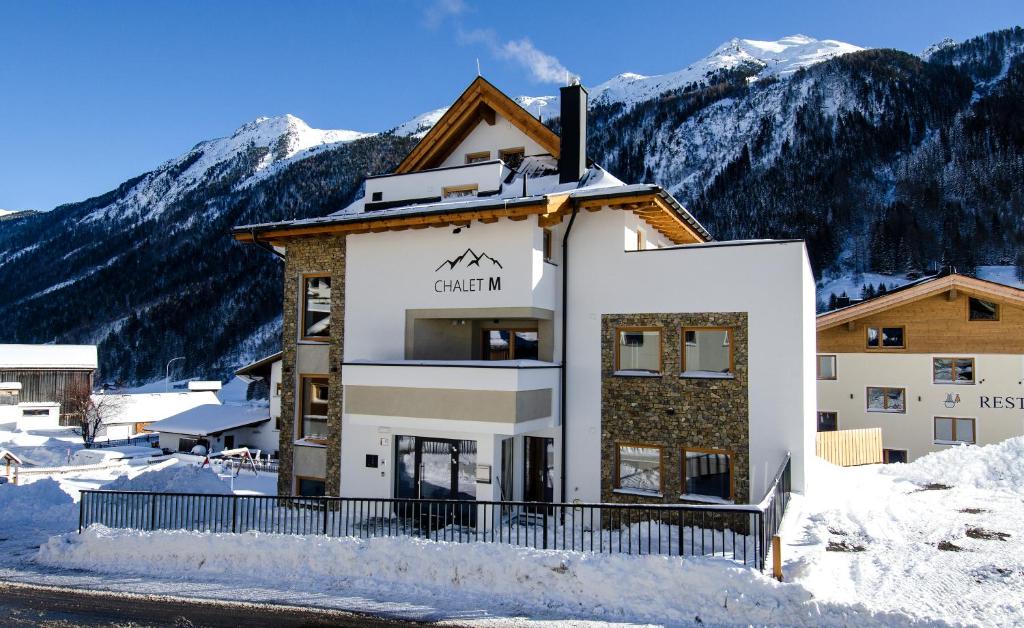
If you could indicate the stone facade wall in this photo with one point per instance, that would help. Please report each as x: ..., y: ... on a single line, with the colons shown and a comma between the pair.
x: 315, y: 255
x: 672, y: 411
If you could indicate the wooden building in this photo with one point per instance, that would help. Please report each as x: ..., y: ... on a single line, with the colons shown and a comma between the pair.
x: 934, y: 364
x: 48, y: 372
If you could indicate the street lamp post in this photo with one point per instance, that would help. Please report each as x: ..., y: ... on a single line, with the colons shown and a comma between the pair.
x: 167, y: 372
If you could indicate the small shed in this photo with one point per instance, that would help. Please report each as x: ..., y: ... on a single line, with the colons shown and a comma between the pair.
x: 10, y: 462
x: 218, y: 427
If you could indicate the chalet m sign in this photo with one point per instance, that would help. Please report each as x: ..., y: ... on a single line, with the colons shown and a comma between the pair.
x: 467, y: 261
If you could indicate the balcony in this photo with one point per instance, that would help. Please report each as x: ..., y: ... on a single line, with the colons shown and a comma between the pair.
x: 499, y: 397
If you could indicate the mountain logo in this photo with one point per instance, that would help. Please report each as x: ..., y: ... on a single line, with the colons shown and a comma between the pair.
x: 469, y: 258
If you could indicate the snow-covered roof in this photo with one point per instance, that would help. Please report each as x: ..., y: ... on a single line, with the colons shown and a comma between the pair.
x: 212, y: 419
x: 49, y: 356
x: 9, y: 456
x: 200, y: 385
x: 148, y: 407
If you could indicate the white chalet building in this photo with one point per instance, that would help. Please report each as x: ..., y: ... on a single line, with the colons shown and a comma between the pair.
x: 501, y: 318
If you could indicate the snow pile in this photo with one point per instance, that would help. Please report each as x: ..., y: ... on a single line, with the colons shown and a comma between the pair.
x: 41, y: 504
x: 994, y: 467
x: 171, y: 476
x: 520, y: 580
x: 909, y: 538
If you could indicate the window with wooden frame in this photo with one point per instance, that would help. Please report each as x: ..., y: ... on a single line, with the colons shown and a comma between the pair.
x: 510, y: 344
x: 892, y: 456
x: 458, y: 191
x: 885, y: 399
x: 707, y: 352
x: 707, y: 473
x: 316, y: 307
x: 513, y: 157
x: 982, y: 310
x: 954, y: 431
x: 638, y: 350
x: 826, y: 367
x: 309, y: 487
x: 638, y: 468
x: 953, y: 370
x: 314, y: 395
x: 547, y: 245
x: 828, y: 421
x: 477, y: 157
x: 886, y: 337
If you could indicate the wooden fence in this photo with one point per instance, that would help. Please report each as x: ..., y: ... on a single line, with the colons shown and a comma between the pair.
x: 848, y: 448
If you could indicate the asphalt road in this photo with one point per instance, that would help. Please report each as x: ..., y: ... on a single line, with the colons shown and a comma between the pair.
x: 30, y: 605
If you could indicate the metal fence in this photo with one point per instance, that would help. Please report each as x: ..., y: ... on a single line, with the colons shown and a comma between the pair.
x: 143, y: 440
x: 741, y: 533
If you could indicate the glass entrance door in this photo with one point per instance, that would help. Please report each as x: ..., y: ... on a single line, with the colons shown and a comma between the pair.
x: 435, y: 468
x: 539, y: 472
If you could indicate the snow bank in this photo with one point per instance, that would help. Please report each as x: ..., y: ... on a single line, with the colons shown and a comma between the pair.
x: 995, y: 467
x: 523, y: 580
x: 39, y: 505
x: 171, y: 476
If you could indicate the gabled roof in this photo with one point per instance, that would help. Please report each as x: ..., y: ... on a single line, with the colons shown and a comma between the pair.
x: 212, y: 418
x: 922, y: 289
x: 10, y: 457
x: 49, y: 356
x: 479, y: 102
x: 263, y: 364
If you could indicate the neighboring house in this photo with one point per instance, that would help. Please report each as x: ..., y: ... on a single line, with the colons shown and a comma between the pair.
x: 425, y: 351
x: 134, y: 412
x: 47, y: 373
x: 218, y: 427
x: 264, y: 382
x: 935, y: 363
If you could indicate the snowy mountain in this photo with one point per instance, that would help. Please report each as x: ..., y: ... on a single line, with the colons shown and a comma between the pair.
x: 886, y: 164
x: 262, y: 147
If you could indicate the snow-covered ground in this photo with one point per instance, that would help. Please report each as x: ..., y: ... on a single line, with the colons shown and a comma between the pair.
x: 936, y: 542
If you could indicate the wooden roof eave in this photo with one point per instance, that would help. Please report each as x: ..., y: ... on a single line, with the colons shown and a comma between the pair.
x: 653, y: 210
x: 967, y: 285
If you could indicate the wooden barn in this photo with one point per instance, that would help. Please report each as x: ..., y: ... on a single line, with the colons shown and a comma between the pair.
x: 48, y: 372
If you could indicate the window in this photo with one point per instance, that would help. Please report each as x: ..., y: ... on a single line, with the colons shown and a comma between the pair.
x: 313, y: 408
x: 886, y: 338
x: 510, y: 344
x: 639, y: 468
x: 35, y: 412
x: 707, y: 352
x: 547, y: 245
x: 950, y: 430
x: 707, y: 473
x: 981, y: 310
x: 458, y: 191
x: 513, y: 157
x: 826, y: 367
x: 316, y: 307
x: 475, y: 158
x: 890, y: 456
x: 376, y: 196
x: 828, y: 421
x: 638, y: 350
x: 881, y: 399
x: 310, y: 487
x: 953, y: 370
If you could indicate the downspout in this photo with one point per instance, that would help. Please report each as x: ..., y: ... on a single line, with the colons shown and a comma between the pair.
x: 563, y: 399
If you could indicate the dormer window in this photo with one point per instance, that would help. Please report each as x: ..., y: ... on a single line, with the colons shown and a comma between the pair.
x: 513, y: 157
x: 475, y: 158
x: 458, y: 191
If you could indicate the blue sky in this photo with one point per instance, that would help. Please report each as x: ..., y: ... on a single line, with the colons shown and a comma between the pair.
x: 92, y: 93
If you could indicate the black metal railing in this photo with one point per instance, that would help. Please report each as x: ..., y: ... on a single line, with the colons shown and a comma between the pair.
x: 741, y: 533
x: 144, y: 439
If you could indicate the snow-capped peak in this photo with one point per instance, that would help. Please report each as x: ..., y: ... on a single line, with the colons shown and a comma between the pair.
x: 927, y: 53
x: 781, y: 57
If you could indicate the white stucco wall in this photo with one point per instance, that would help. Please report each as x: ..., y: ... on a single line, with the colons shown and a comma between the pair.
x: 430, y: 183
x: 771, y: 282
x: 501, y: 135
x: 996, y: 375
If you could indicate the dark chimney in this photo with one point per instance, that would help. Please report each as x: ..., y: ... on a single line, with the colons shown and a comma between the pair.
x: 572, y: 162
